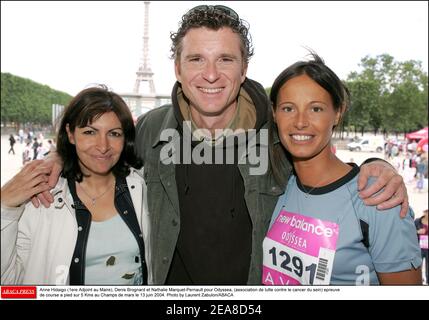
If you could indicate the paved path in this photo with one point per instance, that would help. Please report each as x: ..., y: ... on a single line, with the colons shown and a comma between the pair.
x: 10, y: 164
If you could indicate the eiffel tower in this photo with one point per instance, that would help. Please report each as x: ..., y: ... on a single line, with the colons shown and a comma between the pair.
x: 144, y: 73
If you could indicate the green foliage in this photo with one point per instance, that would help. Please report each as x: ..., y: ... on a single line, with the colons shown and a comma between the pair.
x: 23, y: 100
x: 388, y: 95
x: 363, y: 110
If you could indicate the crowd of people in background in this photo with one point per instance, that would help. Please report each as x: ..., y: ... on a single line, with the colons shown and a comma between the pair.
x: 409, y: 161
x: 36, y: 146
x: 412, y: 163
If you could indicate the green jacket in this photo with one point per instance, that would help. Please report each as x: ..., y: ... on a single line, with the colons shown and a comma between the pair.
x: 261, y: 193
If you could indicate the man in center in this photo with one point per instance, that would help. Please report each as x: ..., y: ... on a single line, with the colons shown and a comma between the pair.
x: 209, y: 218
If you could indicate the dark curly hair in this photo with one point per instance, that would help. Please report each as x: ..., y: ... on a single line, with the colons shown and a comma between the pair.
x: 87, y: 106
x: 212, y: 17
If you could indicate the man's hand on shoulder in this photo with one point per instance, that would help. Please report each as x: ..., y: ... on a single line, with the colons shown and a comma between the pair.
x: 31, y: 180
x: 55, y: 165
x: 394, y: 193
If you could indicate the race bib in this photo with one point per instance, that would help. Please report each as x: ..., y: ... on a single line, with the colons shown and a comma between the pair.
x: 299, y: 250
x: 423, y: 241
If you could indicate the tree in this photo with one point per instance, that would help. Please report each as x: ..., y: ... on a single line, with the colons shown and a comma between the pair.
x: 23, y: 100
x: 363, y: 112
x: 401, y: 102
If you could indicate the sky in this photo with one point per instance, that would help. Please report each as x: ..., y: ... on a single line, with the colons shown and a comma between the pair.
x: 71, y: 45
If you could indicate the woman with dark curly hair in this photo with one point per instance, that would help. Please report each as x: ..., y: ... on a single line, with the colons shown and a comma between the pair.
x: 94, y: 232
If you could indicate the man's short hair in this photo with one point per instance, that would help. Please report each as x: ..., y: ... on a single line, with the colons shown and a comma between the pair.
x: 212, y: 17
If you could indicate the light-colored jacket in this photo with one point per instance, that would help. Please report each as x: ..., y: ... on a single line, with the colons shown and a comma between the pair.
x: 37, y: 244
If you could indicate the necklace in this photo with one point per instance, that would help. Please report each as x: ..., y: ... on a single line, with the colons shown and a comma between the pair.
x: 307, y: 192
x: 93, y: 199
